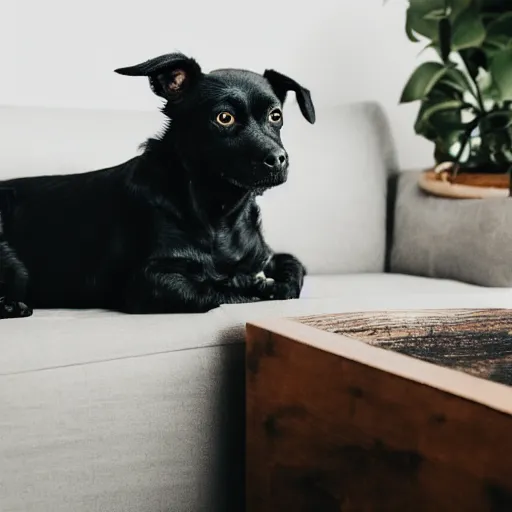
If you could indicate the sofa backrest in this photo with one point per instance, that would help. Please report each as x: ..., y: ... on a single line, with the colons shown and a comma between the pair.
x: 330, y: 213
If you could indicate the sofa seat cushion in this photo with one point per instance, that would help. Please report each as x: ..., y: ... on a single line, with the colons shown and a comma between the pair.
x: 393, y: 285
x: 103, y: 411
x: 54, y: 338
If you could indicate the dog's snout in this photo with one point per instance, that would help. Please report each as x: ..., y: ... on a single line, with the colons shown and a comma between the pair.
x: 276, y: 160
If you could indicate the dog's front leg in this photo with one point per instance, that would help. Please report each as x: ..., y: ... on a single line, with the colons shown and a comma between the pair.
x: 288, y: 274
x: 155, y: 291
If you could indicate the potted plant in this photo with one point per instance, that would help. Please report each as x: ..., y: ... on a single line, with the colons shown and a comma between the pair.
x: 465, y: 94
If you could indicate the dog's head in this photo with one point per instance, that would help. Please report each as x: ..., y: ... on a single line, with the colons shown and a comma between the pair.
x: 226, y: 122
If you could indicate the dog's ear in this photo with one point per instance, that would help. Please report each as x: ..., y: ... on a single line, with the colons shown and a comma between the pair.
x: 282, y: 84
x: 170, y: 76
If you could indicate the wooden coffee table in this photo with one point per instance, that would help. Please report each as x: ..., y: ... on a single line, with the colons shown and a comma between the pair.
x: 392, y: 411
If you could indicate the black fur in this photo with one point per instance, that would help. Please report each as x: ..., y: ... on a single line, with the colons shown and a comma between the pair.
x: 176, y: 229
x: 13, y: 274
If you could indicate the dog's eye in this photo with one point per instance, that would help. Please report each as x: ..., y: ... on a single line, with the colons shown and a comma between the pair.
x: 275, y: 116
x: 226, y: 119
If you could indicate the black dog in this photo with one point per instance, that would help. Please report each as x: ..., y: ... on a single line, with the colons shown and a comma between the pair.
x: 176, y: 229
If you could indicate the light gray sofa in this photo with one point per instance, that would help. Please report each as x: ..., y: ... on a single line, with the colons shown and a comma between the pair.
x: 102, y: 412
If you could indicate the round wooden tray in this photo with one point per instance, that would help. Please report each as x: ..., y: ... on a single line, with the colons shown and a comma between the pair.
x: 466, y: 186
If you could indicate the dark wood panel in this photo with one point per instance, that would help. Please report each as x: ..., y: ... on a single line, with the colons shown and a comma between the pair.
x: 330, y: 433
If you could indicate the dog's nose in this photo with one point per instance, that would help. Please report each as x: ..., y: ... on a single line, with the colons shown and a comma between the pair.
x: 276, y: 160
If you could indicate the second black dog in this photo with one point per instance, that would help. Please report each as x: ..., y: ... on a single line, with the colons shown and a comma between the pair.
x: 176, y: 229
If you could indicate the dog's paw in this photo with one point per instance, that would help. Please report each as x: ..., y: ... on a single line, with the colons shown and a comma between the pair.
x: 250, y: 284
x: 272, y: 290
x: 11, y: 309
x: 260, y: 277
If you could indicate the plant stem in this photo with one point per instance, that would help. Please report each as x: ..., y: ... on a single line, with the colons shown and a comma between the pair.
x: 479, y: 97
x: 464, y: 143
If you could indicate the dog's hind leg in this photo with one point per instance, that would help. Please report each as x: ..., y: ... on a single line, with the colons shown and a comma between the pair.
x: 13, y: 284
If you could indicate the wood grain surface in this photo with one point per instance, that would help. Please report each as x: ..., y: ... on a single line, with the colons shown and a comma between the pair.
x: 328, y: 432
x: 478, y: 342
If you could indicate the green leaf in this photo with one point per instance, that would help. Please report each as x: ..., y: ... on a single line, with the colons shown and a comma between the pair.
x: 415, y: 23
x: 426, y: 6
x: 495, y: 44
x: 456, y: 76
x: 440, y: 121
x: 423, y: 16
x: 431, y: 109
x: 452, y: 85
x: 436, y: 14
x: 495, y: 6
x: 468, y: 30
x: 501, y: 26
x: 475, y: 59
x: 499, y: 35
x: 498, y: 120
x: 450, y: 89
x: 409, y: 22
x: 487, y: 86
x: 445, y: 38
x: 455, y: 7
x: 422, y: 80
x: 501, y: 71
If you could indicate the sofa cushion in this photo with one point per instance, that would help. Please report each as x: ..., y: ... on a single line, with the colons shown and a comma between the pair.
x: 332, y: 211
x: 110, y: 412
x: 55, y: 338
x: 391, y: 285
x: 141, y: 434
x: 465, y: 239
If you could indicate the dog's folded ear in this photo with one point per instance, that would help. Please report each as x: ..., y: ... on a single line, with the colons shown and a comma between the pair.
x: 283, y: 84
x: 170, y: 76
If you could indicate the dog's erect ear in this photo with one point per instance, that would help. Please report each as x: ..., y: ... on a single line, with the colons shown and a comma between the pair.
x: 170, y: 76
x: 282, y: 84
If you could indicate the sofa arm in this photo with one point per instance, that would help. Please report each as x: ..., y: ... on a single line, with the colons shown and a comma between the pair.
x: 467, y: 240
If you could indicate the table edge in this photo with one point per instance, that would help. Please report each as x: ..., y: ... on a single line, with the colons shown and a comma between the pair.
x: 491, y: 394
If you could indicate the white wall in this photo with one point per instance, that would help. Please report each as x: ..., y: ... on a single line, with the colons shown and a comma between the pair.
x: 62, y: 52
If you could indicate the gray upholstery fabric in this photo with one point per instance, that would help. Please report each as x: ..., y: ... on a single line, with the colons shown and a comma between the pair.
x: 56, y: 338
x: 101, y: 412
x: 466, y: 240
x: 158, y: 433
x: 332, y: 211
